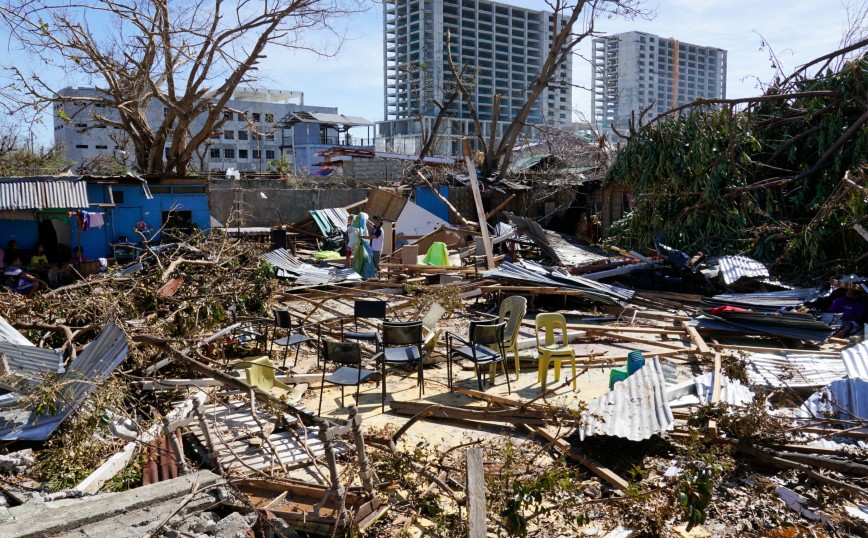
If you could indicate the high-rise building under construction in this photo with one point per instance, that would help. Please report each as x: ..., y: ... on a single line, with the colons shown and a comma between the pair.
x: 636, y: 70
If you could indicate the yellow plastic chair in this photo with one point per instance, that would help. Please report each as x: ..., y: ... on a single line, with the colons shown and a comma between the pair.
x: 512, y: 311
x: 551, y: 351
x: 260, y: 373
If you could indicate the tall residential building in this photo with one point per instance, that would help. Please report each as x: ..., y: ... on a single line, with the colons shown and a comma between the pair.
x: 255, y: 131
x: 635, y: 70
x: 504, y: 45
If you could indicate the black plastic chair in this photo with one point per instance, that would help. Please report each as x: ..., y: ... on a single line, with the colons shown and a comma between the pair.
x: 478, y: 349
x: 400, y: 344
x: 283, y: 320
x: 351, y: 373
x: 365, y: 310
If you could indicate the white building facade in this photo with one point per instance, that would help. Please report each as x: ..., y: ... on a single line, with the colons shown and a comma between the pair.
x: 247, y: 141
x: 505, y: 46
x: 635, y: 70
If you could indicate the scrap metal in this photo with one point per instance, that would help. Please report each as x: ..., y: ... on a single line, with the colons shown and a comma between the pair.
x: 635, y: 408
x: 84, y: 373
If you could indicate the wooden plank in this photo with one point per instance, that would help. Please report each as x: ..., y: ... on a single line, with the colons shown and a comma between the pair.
x: 635, y: 340
x: 615, y: 328
x: 476, y: 527
x: 697, y: 339
x: 500, y: 207
x: 592, y: 465
x: 715, y: 394
x: 477, y: 198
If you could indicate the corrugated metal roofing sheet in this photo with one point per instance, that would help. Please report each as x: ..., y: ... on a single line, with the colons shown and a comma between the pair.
x: 28, y: 364
x: 43, y: 193
x: 636, y: 408
x: 794, y: 370
x: 844, y: 399
x: 537, y: 274
x: 733, y: 268
x: 288, y: 266
x: 856, y: 360
x: 732, y: 392
x: 772, y: 300
x: 8, y: 333
x: 84, y: 374
x: 326, y: 219
x: 798, y: 333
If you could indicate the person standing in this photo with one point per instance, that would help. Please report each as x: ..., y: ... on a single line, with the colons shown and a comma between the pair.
x: 377, y: 240
x: 351, y: 236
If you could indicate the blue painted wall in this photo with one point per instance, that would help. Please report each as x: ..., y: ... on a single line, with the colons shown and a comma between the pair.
x: 426, y: 199
x: 119, y: 220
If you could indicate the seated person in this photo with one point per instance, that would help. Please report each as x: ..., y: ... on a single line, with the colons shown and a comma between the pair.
x: 11, y: 251
x: 78, y: 256
x: 39, y: 260
x: 20, y: 280
x: 853, y: 310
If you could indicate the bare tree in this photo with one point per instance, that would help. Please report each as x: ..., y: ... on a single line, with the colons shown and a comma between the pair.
x: 574, y: 21
x: 190, y: 57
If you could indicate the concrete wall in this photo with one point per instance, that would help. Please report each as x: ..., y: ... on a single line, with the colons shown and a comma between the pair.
x: 291, y: 204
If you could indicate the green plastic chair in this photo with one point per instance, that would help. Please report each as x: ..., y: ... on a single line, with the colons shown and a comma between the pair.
x: 549, y: 350
x: 512, y: 311
x: 260, y: 373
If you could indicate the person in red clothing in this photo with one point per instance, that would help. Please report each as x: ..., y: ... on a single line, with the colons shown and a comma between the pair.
x: 853, y: 310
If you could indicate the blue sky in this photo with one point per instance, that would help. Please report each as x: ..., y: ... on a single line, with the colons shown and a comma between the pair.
x: 797, y: 31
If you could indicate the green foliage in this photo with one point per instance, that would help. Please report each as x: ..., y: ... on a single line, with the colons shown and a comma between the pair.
x: 701, y: 468
x: 755, y: 181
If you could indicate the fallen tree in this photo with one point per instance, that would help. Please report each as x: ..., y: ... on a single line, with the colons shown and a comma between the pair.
x: 778, y: 177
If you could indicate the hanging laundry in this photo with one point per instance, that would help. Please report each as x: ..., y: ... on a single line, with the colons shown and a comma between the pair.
x: 83, y: 220
x: 97, y: 220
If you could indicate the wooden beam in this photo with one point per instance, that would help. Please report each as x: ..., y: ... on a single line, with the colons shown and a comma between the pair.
x: 715, y: 393
x: 445, y: 202
x: 697, y: 339
x: 500, y: 207
x: 476, y: 527
x: 477, y: 197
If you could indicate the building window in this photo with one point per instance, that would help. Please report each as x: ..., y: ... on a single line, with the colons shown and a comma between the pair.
x: 228, y: 135
x: 165, y: 112
x: 257, y: 154
x: 166, y: 152
x: 242, y: 135
x: 269, y: 118
x: 228, y: 153
x: 227, y: 115
x: 242, y: 116
x: 81, y: 146
x: 81, y: 125
x: 215, y: 153
x: 215, y: 135
x: 269, y: 136
x: 269, y: 154
x: 101, y: 147
x: 242, y: 153
x: 256, y: 116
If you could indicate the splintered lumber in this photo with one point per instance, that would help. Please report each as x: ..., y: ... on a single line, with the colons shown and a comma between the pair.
x: 697, y: 339
x: 476, y: 527
x: 589, y: 327
x: 774, y: 459
x: 460, y: 413
x: 139, y: 510
x: 477, y: 198
x: 592, y: 465
x: 166, y: 346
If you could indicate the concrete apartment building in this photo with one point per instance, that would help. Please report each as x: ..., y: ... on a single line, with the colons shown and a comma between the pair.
x: 505, y: 44
x: 263, y: 127
x: 633, y: 70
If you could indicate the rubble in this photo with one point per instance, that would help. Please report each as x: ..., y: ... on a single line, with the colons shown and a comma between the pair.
x: 135, y: 388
